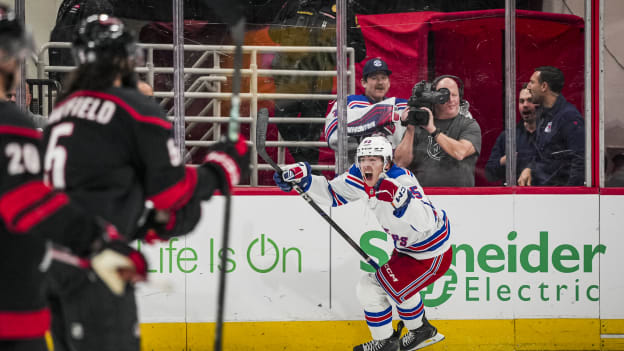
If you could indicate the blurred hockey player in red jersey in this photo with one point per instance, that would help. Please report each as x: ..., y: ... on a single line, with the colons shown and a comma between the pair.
x: 38, y: 224
x: 110, y: 148
x: 422, y: 250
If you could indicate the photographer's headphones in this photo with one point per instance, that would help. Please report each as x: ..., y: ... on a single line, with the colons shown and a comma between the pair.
x: 460, y: 84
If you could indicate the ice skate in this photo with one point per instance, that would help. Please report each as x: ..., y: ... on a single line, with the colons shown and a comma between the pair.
x: 389, y: 344
x: 416, y: 339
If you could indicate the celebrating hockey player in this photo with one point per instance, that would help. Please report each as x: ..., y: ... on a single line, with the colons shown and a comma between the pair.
x: 110, y: 148
x: 39, y: 224
x: 420, y: 232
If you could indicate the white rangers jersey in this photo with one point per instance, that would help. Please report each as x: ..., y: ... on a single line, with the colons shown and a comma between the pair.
x: 365, y: 118
x: 422, y: 231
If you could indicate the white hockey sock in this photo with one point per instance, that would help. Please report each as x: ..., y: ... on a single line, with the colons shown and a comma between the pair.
x: 411, y: 312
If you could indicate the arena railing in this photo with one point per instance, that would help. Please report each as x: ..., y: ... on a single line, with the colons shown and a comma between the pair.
x: 206, y: 83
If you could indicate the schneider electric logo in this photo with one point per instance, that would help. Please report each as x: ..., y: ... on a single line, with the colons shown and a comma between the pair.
x: 441, y: 291
x: 536, y: 270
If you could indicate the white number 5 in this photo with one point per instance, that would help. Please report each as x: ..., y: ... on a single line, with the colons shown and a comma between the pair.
x: 56, y: 155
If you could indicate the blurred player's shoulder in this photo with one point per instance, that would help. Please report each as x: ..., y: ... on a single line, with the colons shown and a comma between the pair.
x: 142, y: 104
x: 13, y: 116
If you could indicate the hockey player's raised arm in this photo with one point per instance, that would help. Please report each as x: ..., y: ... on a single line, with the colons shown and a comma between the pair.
x: 179, y: 189
x: 411, y: 206
x: 337, y: 192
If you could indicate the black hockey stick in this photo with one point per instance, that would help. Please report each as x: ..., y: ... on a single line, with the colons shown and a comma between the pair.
x: 233, y: 13
x: 261, y: 130
x: 238, y: 35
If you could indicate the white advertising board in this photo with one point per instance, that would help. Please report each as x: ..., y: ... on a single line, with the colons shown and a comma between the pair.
x: 611, y: 265
x: 516, y: 256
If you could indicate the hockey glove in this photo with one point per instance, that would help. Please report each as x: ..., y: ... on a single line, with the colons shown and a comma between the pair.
x: 117, y: 263
x: 231, y: 161
x: 162, y: 225
x: 299, y: 173
x: 389, y: 190
x: 154, y: 227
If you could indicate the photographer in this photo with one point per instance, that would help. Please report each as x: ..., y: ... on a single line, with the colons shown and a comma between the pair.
x: 372, y: 113
x: 442, y: 148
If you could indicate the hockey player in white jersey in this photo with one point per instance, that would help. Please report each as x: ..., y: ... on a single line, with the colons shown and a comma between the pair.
x: 420, y: 232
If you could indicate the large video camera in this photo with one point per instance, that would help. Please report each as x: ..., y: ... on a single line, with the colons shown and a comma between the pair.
x: 423, y: 95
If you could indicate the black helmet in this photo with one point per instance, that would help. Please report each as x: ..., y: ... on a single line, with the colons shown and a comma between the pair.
x: 14, y: 40
x: 103, y: 37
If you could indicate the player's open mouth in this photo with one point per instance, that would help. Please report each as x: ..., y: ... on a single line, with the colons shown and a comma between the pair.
x: 368, y: 176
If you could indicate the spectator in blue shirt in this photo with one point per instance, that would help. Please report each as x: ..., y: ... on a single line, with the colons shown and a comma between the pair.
x: 525, y: 140
x: 560, y: 139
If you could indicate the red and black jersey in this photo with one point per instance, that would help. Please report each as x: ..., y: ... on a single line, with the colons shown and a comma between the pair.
x: 112, y: 150
x: 31, y: 213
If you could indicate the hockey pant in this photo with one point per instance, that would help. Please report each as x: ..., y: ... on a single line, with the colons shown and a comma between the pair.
x: 86, y: 316
x: 400, y: 281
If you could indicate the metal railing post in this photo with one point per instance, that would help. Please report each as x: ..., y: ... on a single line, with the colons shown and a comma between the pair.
x: 212, y: 79
x: 178, y: 75
x: 510, y: 90
x: 149, y: 63
x: 253, y: 112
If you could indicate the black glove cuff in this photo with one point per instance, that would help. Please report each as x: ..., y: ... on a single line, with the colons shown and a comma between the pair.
x: 211, y: 177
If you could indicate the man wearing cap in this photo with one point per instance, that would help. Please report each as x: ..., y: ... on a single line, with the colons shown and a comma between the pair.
x: 372, y: 113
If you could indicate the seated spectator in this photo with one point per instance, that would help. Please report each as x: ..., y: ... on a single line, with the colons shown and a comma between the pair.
x: 145, y: 88
x: 39, y: 120
x: 616, y: 176
x: 560, y: 139
x: 372, y: 113
x: 444, y: 152
x: 525, y: 140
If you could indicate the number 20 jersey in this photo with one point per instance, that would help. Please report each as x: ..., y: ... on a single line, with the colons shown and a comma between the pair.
x: 31, y: 215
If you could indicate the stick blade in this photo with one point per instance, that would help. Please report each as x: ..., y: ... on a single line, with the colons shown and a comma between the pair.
x: 261, y: 128
x: 261, y: 131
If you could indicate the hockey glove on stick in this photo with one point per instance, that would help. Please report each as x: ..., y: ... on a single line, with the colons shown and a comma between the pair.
x: 162, y: 225
x: 295, y: 173
x: 231, y: 160
x: 117, y: 263
x: 389, y: 190
x: 154, y: 226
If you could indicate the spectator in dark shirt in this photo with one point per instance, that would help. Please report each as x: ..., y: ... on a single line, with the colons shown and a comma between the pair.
x: 39, y: 120
x: 525, y: 140
x: 560, y: 140
x: 616, y: 177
